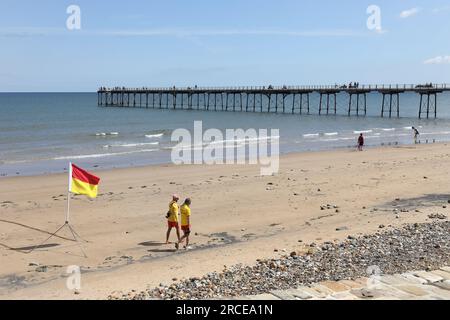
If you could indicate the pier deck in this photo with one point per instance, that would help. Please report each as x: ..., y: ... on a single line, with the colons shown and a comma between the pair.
x: 273, y: 99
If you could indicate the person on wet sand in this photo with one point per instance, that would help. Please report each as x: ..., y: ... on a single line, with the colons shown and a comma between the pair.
x: 186, y: 221
x: 172, y: 219
x: 416, y: 135
x: 360, y: 142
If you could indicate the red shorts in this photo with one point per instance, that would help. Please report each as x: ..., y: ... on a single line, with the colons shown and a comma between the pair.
x: 173, y: 224
x: 186, y: 229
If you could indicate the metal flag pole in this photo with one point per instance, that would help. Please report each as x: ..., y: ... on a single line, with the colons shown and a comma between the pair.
x: 75, y: 235
x: 69, y: 193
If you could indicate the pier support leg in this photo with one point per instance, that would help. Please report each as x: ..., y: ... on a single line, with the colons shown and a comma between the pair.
x: 246, y: 105
x: 320, y: 104
x: 350, y: 104
x: 328, y: 104
x: 226, y: 101
x: 293, y: 103
x: 357, y: 104
x: 276, y: 103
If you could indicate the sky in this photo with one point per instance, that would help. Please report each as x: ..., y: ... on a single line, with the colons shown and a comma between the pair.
x: 138, y: 43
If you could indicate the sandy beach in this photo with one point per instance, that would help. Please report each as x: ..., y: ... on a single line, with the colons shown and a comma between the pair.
x: 238, y: 216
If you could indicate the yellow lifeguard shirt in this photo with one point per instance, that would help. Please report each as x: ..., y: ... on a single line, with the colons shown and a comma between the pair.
x: 185, y: 213
x: 173, y: 208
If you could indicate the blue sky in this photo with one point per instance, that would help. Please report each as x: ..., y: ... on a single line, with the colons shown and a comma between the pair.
x: 218, y: 42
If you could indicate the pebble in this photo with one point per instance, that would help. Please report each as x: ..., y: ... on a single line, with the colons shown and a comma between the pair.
x: 42, y: 269
x: 413, y: 247
x: 437, y: 216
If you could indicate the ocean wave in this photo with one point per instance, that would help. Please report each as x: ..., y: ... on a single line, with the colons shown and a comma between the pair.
x: 388, y: 129
x: 247, y: 140
x: 362, y: 131
x: 433, y: 133
x: 151, y: 136
x: 331, y: 134
x: 337, y: 139
x: 131, y: 145
x: 105, y: 134
x: 102, y: 155
x: 310, y: 135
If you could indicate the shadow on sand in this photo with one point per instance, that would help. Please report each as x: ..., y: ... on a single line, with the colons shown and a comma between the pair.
x: 26, y: 249
x: 151, y: 244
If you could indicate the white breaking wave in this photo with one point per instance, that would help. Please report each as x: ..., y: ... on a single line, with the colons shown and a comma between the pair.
x: 362, y: 131
x: 332, y: 134
x: 389, y: 129
x: 102, y: 155
x: 337, y: 139
x: 432, y: 133
x: 104, y: 134
x: 242, y: 140
x: 310, y: 135
x: 131, y: 145
x: 150, y: 136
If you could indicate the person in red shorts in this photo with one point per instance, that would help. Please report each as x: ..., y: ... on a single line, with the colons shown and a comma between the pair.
x: 361, y: 142
x: 172, y: 219
x: 186, y: 221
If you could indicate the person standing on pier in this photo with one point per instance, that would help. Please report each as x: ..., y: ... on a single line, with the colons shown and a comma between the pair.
x: 360, y: 142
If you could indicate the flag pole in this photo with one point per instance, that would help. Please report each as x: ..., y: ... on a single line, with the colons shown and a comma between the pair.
x: 68, y: 193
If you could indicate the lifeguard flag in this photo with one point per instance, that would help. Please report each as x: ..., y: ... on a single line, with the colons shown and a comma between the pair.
x: 83, y: 182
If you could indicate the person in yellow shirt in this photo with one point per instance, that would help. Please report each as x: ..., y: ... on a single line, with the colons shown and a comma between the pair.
x: 172, y: 219
x: 186, y: 221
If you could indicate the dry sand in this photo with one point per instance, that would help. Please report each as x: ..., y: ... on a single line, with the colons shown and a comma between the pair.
x: 238, y: 216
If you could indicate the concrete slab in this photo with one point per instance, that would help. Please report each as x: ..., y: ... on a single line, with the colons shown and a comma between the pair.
x: 396, y: 280
x: 293, y: 294
x: 335, y: 286
x: 446, y: 269
x: 266, y: 296
x: 414, y: 279
x: 428, y: 276
x: 415, y: 290
x: 441, y: 273
x: 352, y: 284
x: 344, y: 295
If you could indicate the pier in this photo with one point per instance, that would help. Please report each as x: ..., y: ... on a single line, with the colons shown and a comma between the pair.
x: 286, y: 99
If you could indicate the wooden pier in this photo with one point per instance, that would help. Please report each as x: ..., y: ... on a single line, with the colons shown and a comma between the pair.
x: 273, y: 99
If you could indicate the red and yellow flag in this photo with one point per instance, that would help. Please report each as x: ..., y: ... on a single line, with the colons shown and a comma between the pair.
x: 83, y: 182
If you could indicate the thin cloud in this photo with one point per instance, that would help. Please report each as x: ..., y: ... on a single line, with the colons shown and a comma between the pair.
x: 441, y: 9
x: 409, y: 13
x: 30, y: 32
x: 40, y: 32
x: 232, y: 32
x: 438, y: 60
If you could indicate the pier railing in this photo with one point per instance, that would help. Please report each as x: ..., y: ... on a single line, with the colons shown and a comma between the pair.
x: 372, y: 87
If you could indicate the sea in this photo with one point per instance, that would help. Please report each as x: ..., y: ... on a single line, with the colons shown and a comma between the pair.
x: 41, y: 133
